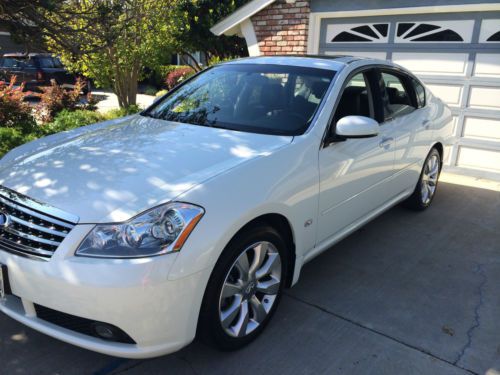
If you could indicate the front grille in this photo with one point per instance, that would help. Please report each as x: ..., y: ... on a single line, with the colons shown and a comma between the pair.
x: 27, y: 230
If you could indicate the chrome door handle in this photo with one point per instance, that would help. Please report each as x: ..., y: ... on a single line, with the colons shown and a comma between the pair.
x: 425, y: 123
x: 386, y: 142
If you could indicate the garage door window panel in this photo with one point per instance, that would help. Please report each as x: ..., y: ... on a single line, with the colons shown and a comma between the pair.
x: 399, y: 98
x: 358, y: 33
x: 435, y: 32
x: 490, y: 31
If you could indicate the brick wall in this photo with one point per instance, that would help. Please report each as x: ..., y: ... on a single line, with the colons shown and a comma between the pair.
x: 281, y: 28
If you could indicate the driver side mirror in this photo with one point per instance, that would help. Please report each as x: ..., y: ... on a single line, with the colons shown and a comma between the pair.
x: 356, y: 127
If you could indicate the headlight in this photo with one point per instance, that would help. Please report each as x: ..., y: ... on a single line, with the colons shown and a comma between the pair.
x: 162, y: 230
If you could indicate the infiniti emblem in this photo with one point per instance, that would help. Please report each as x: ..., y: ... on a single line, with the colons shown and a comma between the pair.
x: 250, y: 287
x: 4, y: 219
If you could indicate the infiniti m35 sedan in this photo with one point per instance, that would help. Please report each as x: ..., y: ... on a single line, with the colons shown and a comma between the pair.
x: 132, y: 237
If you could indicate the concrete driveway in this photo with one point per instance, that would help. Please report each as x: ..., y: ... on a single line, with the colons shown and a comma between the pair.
x: 107, y: 100
x: 411, y: 293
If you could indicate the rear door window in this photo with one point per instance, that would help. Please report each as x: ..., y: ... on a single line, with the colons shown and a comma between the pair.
x: 398, y: 96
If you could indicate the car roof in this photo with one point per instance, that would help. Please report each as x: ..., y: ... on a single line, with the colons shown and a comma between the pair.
x: 336, y: 62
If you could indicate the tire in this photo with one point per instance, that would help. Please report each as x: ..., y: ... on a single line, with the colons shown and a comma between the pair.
x: 425, y: 191
x: 222, y: 322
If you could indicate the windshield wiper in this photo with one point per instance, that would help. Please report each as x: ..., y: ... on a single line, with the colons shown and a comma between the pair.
x: 148, y: 114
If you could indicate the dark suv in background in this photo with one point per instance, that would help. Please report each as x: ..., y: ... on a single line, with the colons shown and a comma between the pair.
x: 36, y: 70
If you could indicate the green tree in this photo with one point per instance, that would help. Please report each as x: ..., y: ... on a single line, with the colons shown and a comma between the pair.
x: 109, y: 41
x: 193, y: 33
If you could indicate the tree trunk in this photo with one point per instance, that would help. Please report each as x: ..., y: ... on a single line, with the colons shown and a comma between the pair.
x: 191, y: 61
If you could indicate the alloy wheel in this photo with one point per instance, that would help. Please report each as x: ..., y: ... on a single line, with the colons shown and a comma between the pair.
x: 250, y: 289
x: 429, y: 179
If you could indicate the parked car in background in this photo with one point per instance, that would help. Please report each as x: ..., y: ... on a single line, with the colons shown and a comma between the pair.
x: 129, y: 237
x: 37, y: 70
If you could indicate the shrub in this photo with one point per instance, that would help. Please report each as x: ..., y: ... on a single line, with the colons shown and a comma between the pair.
x: 121, y: 112
x: 54, y: 99
x: 214, y: 60
x: 160, y: 73
x: 161, y: 93
x: 11, y: 138
x: 178, y: 75
x: 14, y: 111
x: 150, y: 90
x: 67, y: 120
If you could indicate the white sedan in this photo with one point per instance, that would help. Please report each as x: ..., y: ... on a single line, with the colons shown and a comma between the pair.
x: 133, y: 236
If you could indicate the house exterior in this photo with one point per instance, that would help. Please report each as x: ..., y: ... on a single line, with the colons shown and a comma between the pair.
x: 452, y: 45
x: 7, y: 45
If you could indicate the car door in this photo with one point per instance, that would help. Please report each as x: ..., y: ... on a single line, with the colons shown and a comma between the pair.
x: 409, y: 120
x: 30, y: 71
x: 354, y: 172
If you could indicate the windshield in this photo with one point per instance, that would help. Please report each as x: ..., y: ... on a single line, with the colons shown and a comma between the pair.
x: 270, y: 99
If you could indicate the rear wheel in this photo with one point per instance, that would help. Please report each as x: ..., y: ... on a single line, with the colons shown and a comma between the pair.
x: 244, y: 289
x: 427, y: 184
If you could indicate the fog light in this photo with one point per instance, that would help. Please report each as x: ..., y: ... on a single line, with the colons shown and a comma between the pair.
x: 104, y: 331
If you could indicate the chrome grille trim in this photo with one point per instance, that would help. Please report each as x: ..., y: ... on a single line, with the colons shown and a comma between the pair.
x: 34, y: 213
x: 32, y: 229
x: 14, y: 247
x: 42, y: 208
x: 40, y: 228
x: 31, y: 237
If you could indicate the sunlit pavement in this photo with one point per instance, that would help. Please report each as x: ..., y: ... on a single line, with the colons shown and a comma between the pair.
x: 108, y: 100
x: 411, y: 293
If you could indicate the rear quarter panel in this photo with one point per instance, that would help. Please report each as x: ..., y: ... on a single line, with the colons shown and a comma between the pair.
x: 443, y: 124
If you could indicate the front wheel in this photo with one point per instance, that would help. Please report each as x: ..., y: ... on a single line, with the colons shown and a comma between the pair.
x: 244, y: 289
x: 427, y: 184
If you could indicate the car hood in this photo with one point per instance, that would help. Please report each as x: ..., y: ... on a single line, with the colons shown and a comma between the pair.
x: 112, y: 171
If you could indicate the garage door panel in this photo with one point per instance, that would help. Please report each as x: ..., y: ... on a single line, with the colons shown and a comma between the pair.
x: 484, y: 97
x: 487, y: 65
x: 487, y: 160
x: 450, y: 94
x: 482, y: 128
x: 433, y: 63
x: 458, y: 58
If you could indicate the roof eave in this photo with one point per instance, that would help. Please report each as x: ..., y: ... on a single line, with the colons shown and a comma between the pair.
x: 229, y: 25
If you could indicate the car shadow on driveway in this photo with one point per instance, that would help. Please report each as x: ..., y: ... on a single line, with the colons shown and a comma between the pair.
x: 414, y: 293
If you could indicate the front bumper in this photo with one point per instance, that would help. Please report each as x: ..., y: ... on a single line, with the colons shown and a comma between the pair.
x: 135, y: 295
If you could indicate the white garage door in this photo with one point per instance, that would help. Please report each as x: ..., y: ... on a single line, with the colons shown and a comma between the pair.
x: 456, y: 55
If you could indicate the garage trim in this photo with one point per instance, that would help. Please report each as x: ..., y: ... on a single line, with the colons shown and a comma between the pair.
x: 315, y: 18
